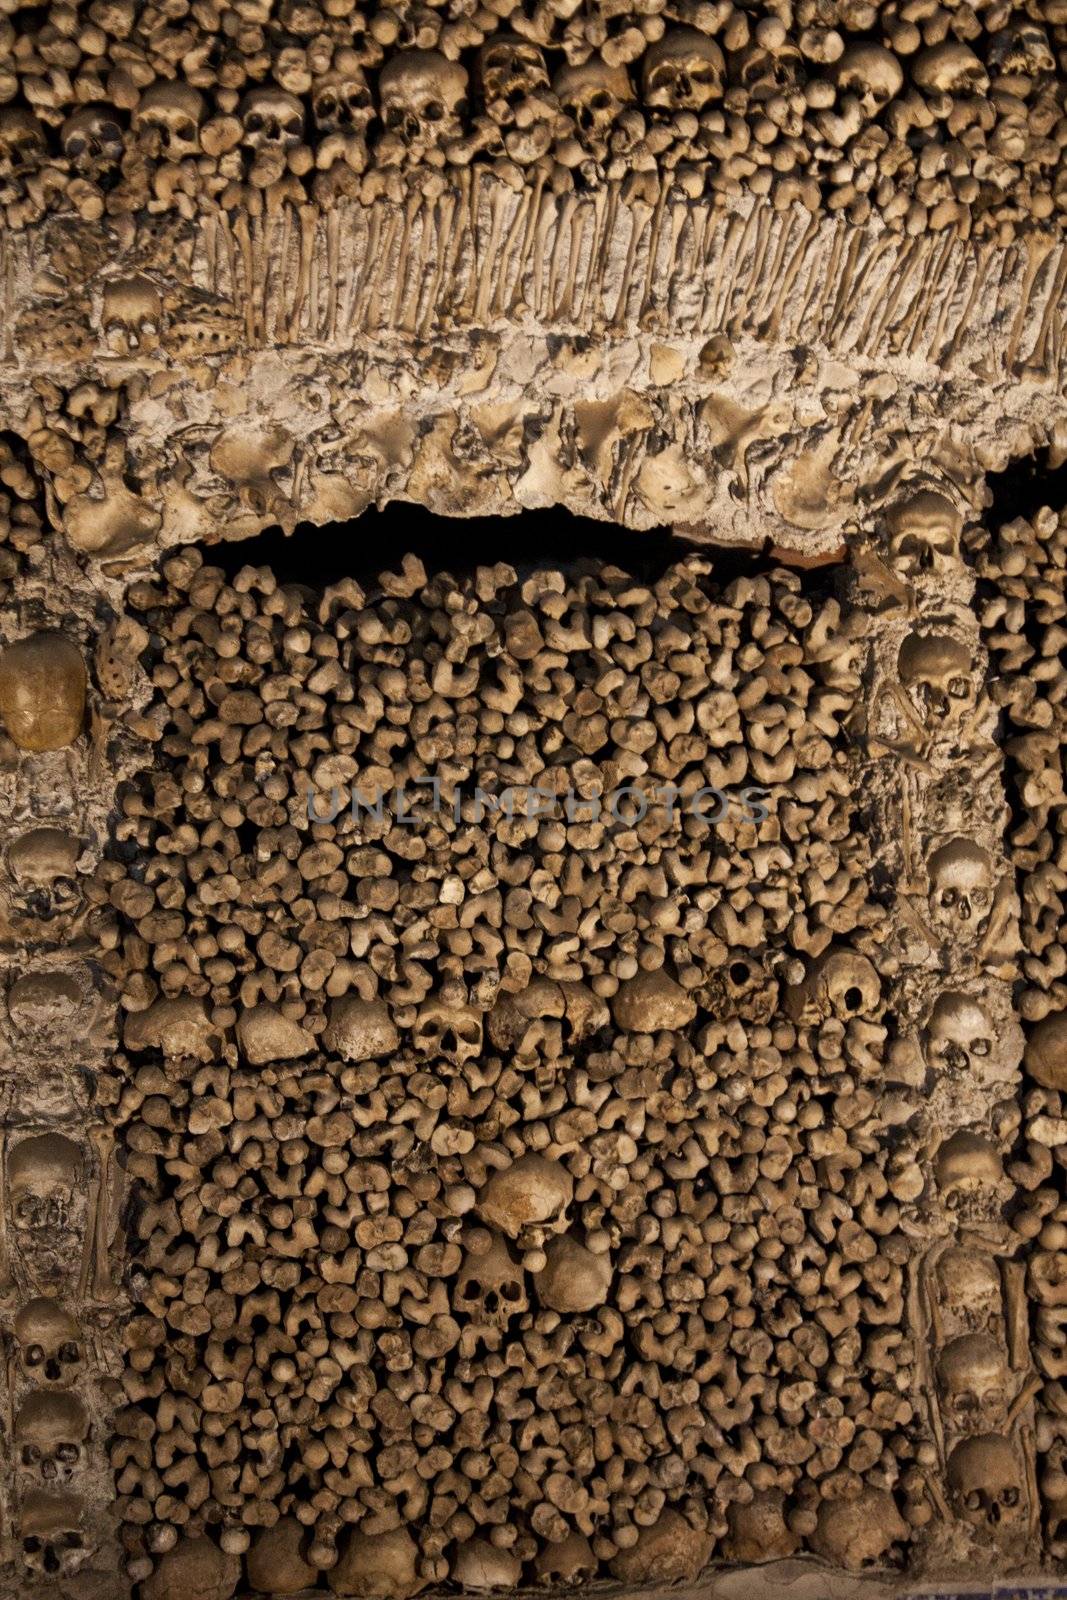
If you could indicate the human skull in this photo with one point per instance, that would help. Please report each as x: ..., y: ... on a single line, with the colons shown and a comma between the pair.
x: 272, y: 119
x: 92, y: 140
x: 359, y: 1030
x: 840, y: 984
x: 961, y: 888
x: 758, y: 1530
x: 43, y: 1173
x: 970, y: 1176
x: 251, y: 459
x: 527, y: 1200
x: 480, y: 1566
x: 592, y: 95
x: 448, y: 1027
x: 650, y: 1002
x: 49, y: 1341
x: 938, y: 673
x: 669, y: 1550
x: 985, y: 1483
x: 872, y: 74
x: 178, y: 1026
x: 43, y: 684
x: 195, y: 1569
x: 43, y: 865
x: 1046, y: 1052
x: 858, y: 1532
x: 924, y: 535
x: 490, y: 1288
x: 341, y: 101
x: 969, y: 1288
x: 949, y: 68
x: 766, y: 73
x: 573, y: 1278
x: 527, y: 1022
x: 384, y: 1565
x: 133, y: 316
x: 50, y: 1430
x: 46, y: 1004
x: 50, y: 1533
x: 22, y: 142
x: 511, y: 71
x: 683, y: 71
x: 1021, y: 50
x: 973, y: 1378
x: 958, y: 1036
x: 423, y: 98
x: 167, y: 121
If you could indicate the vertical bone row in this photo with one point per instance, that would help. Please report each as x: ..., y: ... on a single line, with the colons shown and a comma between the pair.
x: 935, y: 785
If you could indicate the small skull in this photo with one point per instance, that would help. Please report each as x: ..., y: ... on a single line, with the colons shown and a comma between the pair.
x: 50, y: 1431
x: 767, y: 73
x: 1021, y: 50
x: 49, y: 1341
x: 985, y: 1483
x: 872, y: 74
x: 511, y: 71
x: 43, y: 1173
x: 133, y: 316
x: 341, y: 102
x: 565, y: 1564
x: 924, y: 535
x: 573, y: 1278
x: 959, y: 1036
x: 167, y: 121
x: 490, y: 1288
x: 683, y: 71
x: 22, y: 142
x: 251, y: 460
x: 527, y: 1024
x: 43, y: 865
x: 938, y: 673
x: 528, y: 1200
x: 950, y: 67
x: 970, y: 1177
x: 92, y: 140
x: 43, y: 685
x: 592, y: 96
x: 961, y: 888
x: 273, y: 120
x: 969, y: 1288
x: 50, y: 1533
x: 841, y: 984
x: 448, y: 1027
x: 973, y: 1381
x: 423, y: 97
x: 858, y: 1532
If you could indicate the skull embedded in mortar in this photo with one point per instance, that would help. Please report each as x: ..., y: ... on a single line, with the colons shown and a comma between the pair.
x: 423, y: 99
x: 592, y: 95
x: 92, y: 140
x: 132, y: 316
x: 49, y: 1342
x: 985, y: 1482
x: 958, y: 1038
x: 973, y: 1384
x: 43, y: 685
x: 924, y: 535
x: 50, y: 1533
x: 961, y: 888
x: 514, y: 85
x: 22, y: 142
x: 50, y: 1432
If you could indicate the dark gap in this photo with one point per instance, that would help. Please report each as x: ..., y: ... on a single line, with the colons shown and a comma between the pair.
x: 1025, y: 485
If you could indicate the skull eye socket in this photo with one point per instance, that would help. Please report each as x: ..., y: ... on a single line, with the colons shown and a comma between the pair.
x: 68, y: 1454
x: 469, y: 1291
x: 979, y: 897
x: 853, y: 998
x: 75, y: 145
x: 433, y: 111
x: 253, y: 122
x: 600, y: 100
x: 739, y: 973
x: 511, y: 1291
x: 32, y: 1545
x: 68, y: 1351
x: 1009, y: 1497
x: 30, y: 1455
x: 948, y: 897
x: 973, y: 1500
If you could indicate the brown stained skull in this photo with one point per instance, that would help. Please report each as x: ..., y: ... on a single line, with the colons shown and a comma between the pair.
x: 448, y: 1027
x: 43, y: 684
x: 969, y: 1288
x: 958, y: 1038
x: 683, y: 71
x: 986, y: 1484
x: 924, y: 535
x: 50, y: 1433
x: 272, y: 119
x: 46, y: 1005
x: 840, y: 984
x: 341, y: 102
x: 490, y: 1288
x: 49, y: 1343
x: 528, y: 1200
x: 92, y: 140
x: 961, y: 889
x: 132, y: 316
x: 43, y: 1174
x: 511, y: 72
x: 1021, y: 50
x: 592, y: 96
x: 970, y: 1177
x: 423, y: 96
x: 973, y: 1384
x: 872, y: 75
x: 766, y: 73
x: 50, y: 1533
x: 22, y: 142
x: 166, y: 124
x: 43, y: 866
x: 938, y: 673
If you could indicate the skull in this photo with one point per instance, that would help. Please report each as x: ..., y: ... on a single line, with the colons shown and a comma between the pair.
x: 970, y: 1176
x: 50, y: 1430
x: 969, y: 1288
x: 43, y: 864
x: 341, y: 101
x: 359, y: 1030
x: 959, y: 1035
x: 669, y: 1550
x: 480, y: 1566
x: 22, y: 142
x: 384, y: 1565
x: 924, y: 535
x: 520, y: 1023
x: 1021, y: 50
x: 758, y: 1530
x: 742, y: 988
x: 277, y: 1561
x: 491, y: 1287
x: 167, y: 121
x: 569, y: 1562
x: 573, y: 1278
x: 43, y: 1173
x: 651, y: 1001
x: 858, y: 1532
x: 985, y: 1483
x: 767, y: 73
x: 950, y: 68
x: 1046, y: 1052
x: 938, y: 673
x: 49, y: 1341
x: 92, y: 140
x: 872, y: 74
x: 273, y: 120
x: 448, y: 1027
x: 50, y: 1533
x: 46, y: 1004
x: 133, y: 316
x: 683, y: 71
x: 251, y: 460
x: 840, y: 984
x: 510, y: 72
x: 178, y: 1027
x: 972, y: 1376
x: 197, y: 1569
x: 528, y: 1200
x: 42, y: 691
x: 423, y: 98
x: 961, y: 888
x: 592, y: 95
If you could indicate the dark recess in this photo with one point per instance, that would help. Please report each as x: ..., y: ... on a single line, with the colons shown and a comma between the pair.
x: 1025, y: 485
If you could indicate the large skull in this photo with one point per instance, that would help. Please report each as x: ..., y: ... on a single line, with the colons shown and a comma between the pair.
x: 683, y: 71
x: 448, y: 1027
x: 592, y: 95
x: 961, y: 888
x: 341, y: 101
x: 359, y: 1030
x: 43, y: 865
x: 92, y: 140
x: 1021, y: 50
x: 858, y: 1532
x: 22, y: 142
x: 986, y: 1483
x: 938, y: 673
x: 514, y: 84
x: 973, y: 1378
x: 49, y: 1341
x: 133, y: 316
x: 42, y: 691
x: 273, y: 120
x: 423, y: 97
x: 167, y: 121
x: 840, y: 984
x: 959, y: 1035
x: 490, y: 1288
x: 969, y: 1288
x: 50, y: 1430
x: 195, y: 1569
x: 528, y: 1200
x: 924, y: 534
x: 50, y: 1533
x: 43, y: 1173
x: 872, y: 74
x: 970, y: 1176
x: 573, y: 1278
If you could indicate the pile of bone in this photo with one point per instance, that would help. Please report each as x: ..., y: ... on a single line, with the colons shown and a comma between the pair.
x: 514, y: 1201
x: 1022, y: 600
x: 930, y: 116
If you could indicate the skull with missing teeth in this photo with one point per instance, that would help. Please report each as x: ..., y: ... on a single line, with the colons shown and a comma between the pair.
x: 490, y: 1289
x: 50, y: 1432
x: 46, y: 1193
x: 973, y: 1383
x: 683, y: 71
x: 961, y: 889
x: 423, y: 96
x: 514, y: 84
x: 133, y: 315
x: 92, y: 140
x: 986, y: 1485
x: 167, y: 121
x: 448, y: 1027
x: 969, y: 1290
x: 958, y: 1037
x: 22, y: 142
x: 938, y: 673
x: 49, y: 1342
x: 970, y: 1178
x: 50, y: 1535
x: 592, y: 96
x: 924, y: 535
x: 528, y: 1200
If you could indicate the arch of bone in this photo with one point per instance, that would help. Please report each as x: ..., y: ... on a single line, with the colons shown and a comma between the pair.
x: 485, y: 1200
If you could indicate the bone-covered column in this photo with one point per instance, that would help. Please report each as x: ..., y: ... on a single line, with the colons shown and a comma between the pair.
x: 934, y: 784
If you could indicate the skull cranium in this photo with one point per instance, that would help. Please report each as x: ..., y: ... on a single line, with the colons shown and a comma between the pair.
x: 92, y: 140
x: 167, y: 121
x: 924, y: 534
x: 872, y: 74
x: 958, y: 1035
x: 43, y: 685
x: 972, y: 1375
x: 592, y: 95
x: 985, y: 1483
x: 43, y: 1174
x: 22, y: 142
x: 50, y: 1430
x: 970, y: 1176
x: 840, y: 984
x: 448, y: 1027
x: 272, y: 119
x: 528, y: 1200
x: 961, y: 887
x: 341, y: 101
x: 683, y: 71
x: 49, y: 1341
x: 969, y: 1288
x: 132, y: 316
x: 938, y: 673
x: 50, y: 1533
x: 423, y: 96
x: 490, y: 1288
